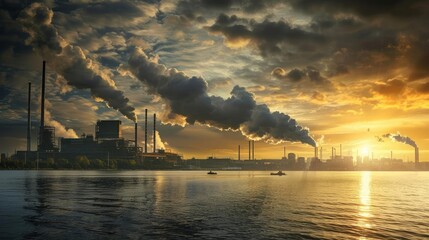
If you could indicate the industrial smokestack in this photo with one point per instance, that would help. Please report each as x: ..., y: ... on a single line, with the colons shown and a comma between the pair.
x: 42, y: 111
x: 253, y: 149
x: 416, y: 156
x: 42, y: 100
x: 391, y: 155
x: 321, y: 152
x: 332, y: 153
x: 238, y: 152
x: 29, y: 119
x: 315, y: 152
x: 135, y: 138
x: 284, y: 152
x: 154, y: 133
x: 250, y: 149
x: 145, y: 131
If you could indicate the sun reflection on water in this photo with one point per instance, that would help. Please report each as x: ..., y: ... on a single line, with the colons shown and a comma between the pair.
x: 365, y: 201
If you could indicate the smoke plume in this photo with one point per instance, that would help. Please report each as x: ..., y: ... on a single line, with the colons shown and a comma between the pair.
x: 69, y: 61
x: 399, y: 138
x: 187, y: 101
x: 60, y: 129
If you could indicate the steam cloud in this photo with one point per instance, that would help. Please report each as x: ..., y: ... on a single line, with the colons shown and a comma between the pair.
x: 70, y: 61
x: 399, y: 138
x: 188, y: 102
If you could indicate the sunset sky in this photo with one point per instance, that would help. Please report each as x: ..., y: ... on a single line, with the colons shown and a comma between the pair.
x: 217, y: 72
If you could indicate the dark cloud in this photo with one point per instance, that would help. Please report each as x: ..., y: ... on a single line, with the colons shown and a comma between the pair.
x: 420, y: 66
x: 187, y: 97
x: 365, y: 8
x: 113, y: 14
x: 424, y: 88
x: 296, y: 75
x: 70, y: 61
x: 314, y: 75
x: 391, y: 88
x: 200, y: 9
x: 272, y: 38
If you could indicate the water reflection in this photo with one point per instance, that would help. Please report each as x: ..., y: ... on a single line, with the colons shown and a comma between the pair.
x: 364, y: 216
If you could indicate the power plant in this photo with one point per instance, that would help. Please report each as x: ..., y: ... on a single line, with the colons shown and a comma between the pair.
x: 108, y: 141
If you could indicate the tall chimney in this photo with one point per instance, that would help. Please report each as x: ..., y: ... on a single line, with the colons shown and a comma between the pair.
x: 284, y: 152
x: 135, y: 138
x: 416, y: 156
x: 238, y: 152
x: 391, y: 155
x: 321, y: 152
x: 332, y: 153
x: 42, y: 100
x: 145, y: 131
x: 250, y: 148
x: 253, y: 149
x: 154, y: 133
x: 315, y: 152
x: 29, y: 119
x: 41, y: 144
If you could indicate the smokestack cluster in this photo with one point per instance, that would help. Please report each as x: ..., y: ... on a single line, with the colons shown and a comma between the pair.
x: 70, y: 61
x: 251, y: 150
x: 187, y: 101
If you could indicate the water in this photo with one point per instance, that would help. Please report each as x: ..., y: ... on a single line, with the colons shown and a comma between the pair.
x: 185, y: 205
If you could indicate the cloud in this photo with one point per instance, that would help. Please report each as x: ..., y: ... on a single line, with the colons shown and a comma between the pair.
x: 296, y: 75
x: 187, y: 97
x: 271, y: 37
x: 391, y: 88
x: 70, y: 61
x: 366, y: 8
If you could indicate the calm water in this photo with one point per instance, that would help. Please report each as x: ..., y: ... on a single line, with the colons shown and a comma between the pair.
x: 183, y: 205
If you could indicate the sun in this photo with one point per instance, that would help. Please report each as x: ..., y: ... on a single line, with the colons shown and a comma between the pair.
x: 365, y: 150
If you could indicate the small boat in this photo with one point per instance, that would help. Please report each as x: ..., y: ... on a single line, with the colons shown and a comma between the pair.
x: 279, y: 173
x: 214, y: 173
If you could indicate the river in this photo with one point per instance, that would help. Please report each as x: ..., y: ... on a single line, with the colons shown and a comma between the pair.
x: 230, y: 205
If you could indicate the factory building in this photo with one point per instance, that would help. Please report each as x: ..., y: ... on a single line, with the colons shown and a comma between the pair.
x: 108, y: 141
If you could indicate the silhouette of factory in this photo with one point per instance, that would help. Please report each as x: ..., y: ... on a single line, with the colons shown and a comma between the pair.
x: 107, y: 143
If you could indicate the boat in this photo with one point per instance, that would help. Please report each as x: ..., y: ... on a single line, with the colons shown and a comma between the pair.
x: 214, y: 173
x: 279, y: 173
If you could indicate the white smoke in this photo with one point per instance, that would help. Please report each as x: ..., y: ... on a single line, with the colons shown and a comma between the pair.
x: 159, y: 143
x: 60, y: 129
x: 399, y: 138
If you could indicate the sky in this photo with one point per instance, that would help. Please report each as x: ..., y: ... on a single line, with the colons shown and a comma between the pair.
x: 290, y: 73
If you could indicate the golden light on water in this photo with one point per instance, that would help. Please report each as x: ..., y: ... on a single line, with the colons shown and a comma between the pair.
x: 365, y: 201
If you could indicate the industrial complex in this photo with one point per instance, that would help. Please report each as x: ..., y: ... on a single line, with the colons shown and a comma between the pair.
x: 108, y: 143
